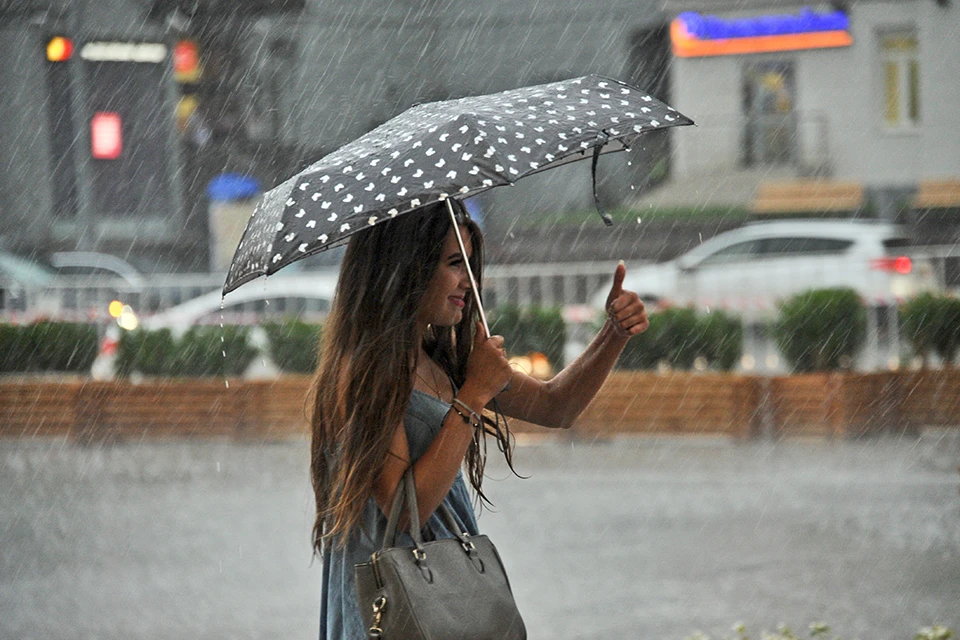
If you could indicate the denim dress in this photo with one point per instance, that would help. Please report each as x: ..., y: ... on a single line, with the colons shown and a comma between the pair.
x: 339, y: 611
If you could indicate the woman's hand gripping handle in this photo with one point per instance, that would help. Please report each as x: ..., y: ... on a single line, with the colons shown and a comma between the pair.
x: 488, y: 371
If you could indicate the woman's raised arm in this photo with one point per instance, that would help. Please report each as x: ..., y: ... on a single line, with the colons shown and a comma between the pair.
x: 556, y: 403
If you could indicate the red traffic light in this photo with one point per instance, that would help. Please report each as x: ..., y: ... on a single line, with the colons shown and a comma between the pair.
x: 59, y: 49
x: 186, y: 61
x: 106, y: 135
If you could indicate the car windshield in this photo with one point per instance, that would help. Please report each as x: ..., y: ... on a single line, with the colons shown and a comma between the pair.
x: 734, y: 253
x: 23, y: 271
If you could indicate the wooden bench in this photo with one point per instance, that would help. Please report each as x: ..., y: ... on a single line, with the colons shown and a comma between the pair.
x: 937, y: 194
x: 807, y: 196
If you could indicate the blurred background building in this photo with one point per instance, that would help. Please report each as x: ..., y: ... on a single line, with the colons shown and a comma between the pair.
x: 118, y: 114
x: 861, y: 96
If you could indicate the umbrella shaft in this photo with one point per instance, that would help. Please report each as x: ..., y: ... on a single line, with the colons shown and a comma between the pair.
x: 473, y: 282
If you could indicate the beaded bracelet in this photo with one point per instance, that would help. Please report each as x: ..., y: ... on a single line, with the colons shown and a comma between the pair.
x: 476, y: 422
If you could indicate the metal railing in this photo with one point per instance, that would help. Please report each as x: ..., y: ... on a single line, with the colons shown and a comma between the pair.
x: 86, y: 299
x: 568, y: 285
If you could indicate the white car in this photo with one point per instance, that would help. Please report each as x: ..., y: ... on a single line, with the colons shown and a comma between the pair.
x: 305, y: 295
x: 752, y: 268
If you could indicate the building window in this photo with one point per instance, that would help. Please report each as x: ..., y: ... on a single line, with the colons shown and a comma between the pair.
x: 768, y: 97
x: 900, y: 70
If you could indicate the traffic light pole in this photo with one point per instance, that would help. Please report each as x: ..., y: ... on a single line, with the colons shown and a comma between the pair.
x: 79, y: 114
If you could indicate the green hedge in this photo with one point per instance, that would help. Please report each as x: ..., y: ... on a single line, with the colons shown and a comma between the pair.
x: 215, y: 351
x: 821, y: 329
x: 148, y: 352
x: 931, y: 323
x: 14, y: 348
x: 679, y: 336
x: 531, y: 329
x: 48, y: 346
x: 294, y: 345
x: 201, y: 351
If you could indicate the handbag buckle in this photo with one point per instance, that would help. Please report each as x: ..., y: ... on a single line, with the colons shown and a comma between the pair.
x: 468, y: 546
x: 378, y: 606
x: 419, y: 555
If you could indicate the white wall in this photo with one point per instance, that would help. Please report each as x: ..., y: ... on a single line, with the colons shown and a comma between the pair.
x: 707, y: 90
x: 940, y: 88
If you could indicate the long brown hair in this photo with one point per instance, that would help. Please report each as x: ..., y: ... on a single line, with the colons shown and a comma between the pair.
x: 369, y: 353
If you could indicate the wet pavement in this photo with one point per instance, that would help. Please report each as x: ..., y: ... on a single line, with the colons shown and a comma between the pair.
x: 622, y: 538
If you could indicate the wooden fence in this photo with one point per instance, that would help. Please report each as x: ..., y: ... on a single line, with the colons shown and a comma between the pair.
x: 821, y: 405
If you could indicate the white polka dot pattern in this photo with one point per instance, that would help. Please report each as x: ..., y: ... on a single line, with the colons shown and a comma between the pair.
x: 454, y: 148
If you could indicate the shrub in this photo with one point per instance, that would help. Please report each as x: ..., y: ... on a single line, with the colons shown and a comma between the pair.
x: 679, y: 336
x: 721, y: 336
x: 214, y: 351
x: 48, y: 346
x: 14, y: 348
x: 821, y: 329
x: 148, y: 352
x: 931, y: 322
x: 63, y: 346
x: 537, y: 329
x: 202, y: 351
x: 645, y: 350
x: 294, y: 345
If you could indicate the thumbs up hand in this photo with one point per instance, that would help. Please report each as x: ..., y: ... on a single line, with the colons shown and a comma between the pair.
x: 625, y: 310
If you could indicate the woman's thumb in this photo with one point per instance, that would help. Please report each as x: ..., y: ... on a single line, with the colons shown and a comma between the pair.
x: 617, y: 288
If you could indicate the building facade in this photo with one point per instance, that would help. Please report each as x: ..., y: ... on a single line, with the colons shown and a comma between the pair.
x: 872, y: 97
x: 117, y: 114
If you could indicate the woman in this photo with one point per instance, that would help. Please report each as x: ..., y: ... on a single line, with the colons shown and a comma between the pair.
x: 405, y: 373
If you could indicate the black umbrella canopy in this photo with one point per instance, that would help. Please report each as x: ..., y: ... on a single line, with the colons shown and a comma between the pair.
x: 439, y: 150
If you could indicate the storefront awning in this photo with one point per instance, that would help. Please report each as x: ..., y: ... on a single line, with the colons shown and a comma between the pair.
x: 938, y: 194
x: 695, y: 35
x: 807, y: 196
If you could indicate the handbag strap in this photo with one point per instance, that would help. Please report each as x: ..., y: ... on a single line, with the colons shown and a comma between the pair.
x: 407, y: 492
x: 406, y: 489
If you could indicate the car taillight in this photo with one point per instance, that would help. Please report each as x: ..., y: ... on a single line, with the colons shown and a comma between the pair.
x: 899, y: 264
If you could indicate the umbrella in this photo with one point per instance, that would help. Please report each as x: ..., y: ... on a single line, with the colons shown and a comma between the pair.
x: 436, y: 151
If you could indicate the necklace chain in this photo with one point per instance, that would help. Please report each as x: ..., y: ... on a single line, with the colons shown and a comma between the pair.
x: 433, y: 387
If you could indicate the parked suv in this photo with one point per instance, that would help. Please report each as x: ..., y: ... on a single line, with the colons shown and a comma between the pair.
x: 753, y: 267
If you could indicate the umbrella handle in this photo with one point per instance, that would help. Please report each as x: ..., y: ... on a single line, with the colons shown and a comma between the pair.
x: 473, y: 281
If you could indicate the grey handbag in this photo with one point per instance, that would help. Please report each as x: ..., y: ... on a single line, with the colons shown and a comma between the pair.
x: 449, y: 589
